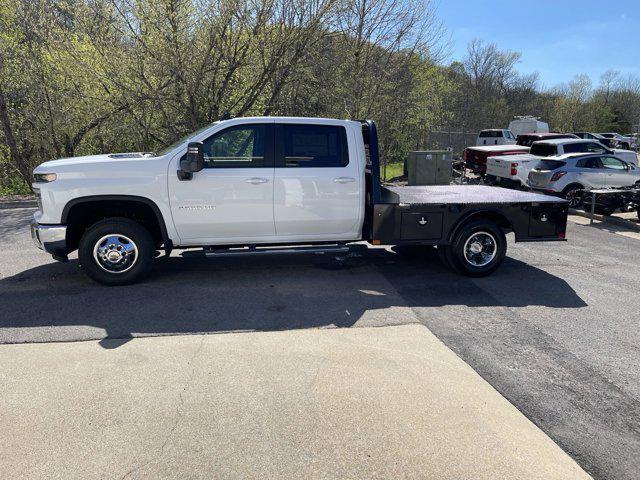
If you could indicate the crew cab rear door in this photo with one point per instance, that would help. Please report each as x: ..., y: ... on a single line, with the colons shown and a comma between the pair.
x: 318, y: 182
x: 231, y: 199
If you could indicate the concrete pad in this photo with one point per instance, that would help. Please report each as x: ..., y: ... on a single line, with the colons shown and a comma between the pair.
x: 389, y: 402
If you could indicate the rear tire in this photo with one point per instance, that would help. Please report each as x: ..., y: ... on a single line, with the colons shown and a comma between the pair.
x: 572, y: 196
x: 116, y: 251
x: 478, y: 249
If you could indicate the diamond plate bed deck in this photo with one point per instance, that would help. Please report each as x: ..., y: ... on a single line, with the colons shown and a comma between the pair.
x: 459, y: 194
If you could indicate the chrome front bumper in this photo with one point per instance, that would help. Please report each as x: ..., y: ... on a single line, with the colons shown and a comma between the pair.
x: 50, y: 238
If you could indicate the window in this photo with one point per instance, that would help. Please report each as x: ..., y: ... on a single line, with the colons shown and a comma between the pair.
x: 527, y: 140
x: 589, y: 162
x: 549, y: 165
x: 613, y: 163
x: 236, y: 147
x: 595, y: 147
x: 575, y: 147
x: 314, y: 146
x: 491, y: 134
x: 543, y: 149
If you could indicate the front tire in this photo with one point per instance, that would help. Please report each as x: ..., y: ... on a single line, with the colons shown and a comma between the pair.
x: 478, y: 249
x: 116, y: 251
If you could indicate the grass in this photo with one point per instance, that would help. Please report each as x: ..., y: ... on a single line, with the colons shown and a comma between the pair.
x: 393, y: 170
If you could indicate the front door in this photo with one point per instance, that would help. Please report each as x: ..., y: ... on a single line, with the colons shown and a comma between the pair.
x: 617, y: 173
x: 231, y: 199
x: 317, y: 184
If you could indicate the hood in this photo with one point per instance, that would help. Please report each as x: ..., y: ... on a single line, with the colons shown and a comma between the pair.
x: 91, y: 159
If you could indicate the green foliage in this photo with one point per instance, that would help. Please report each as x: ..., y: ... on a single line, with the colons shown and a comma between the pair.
x: 89, y: 76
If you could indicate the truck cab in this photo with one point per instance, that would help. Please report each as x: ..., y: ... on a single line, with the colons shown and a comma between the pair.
x: 263, y: 185
x: 495, y: 136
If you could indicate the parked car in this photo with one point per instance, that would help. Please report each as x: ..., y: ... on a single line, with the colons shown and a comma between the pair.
x: 620, y: 140
x: 527, y: 124
x: 527, y: 139
x: 475, y: 158
x: 567, y: 175
x: 549, y: 148
x: 514, y: 170
x: 607, y: 142
x: 495, y: 137
x: 270, y: 185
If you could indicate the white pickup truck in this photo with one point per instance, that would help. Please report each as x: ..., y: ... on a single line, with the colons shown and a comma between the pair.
x: 269, y: 185
x: 513, y: 170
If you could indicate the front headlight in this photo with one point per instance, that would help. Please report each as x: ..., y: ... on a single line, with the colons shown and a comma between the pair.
x: 44, y: 177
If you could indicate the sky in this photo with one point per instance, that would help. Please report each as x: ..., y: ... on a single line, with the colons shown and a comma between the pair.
x: 558, y: 39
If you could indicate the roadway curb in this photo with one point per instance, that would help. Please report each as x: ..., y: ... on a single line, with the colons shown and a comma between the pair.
x: 7, y: 204
x: 621, y: 222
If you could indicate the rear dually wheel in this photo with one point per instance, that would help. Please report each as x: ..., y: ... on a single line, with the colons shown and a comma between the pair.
x: 477, y: 249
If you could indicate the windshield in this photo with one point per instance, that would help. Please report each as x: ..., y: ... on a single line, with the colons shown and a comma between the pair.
x: 184, y: 139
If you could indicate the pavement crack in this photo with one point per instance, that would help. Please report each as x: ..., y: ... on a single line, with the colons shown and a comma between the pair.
x: 179, y: 413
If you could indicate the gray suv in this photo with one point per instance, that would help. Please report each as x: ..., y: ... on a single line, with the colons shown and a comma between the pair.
x: 566, y: 174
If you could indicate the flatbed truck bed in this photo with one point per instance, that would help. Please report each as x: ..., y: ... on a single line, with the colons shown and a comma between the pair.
x: 435, y: 215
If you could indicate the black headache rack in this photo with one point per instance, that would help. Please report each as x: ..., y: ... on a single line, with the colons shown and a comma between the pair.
x: 431, y: 215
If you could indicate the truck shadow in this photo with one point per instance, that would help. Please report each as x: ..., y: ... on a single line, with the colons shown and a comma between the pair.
x: 264, y: 294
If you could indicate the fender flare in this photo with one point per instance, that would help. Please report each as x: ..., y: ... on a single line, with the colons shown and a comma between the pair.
x: 476, y: 213
x: 130, y: 198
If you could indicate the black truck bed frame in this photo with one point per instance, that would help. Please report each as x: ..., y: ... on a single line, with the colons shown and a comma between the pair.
x: 431, y: 215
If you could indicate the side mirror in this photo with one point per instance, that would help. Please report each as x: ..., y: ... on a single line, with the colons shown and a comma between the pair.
x: 192, y: 162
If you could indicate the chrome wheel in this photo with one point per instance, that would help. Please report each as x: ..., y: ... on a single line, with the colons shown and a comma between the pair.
x: 115, y: 253
x: 573, y: 198
x: 480, y: 249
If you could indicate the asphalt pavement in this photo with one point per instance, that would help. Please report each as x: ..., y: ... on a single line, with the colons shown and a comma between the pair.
x: 554, y: 330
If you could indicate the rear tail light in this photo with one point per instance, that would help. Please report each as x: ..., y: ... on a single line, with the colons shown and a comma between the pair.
x: 557, y: 176
x: 514, y: 169
x: 464, y: 154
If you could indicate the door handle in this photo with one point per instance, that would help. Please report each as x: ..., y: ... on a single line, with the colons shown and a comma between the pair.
x: 344, y: 180
x: 256, y: 180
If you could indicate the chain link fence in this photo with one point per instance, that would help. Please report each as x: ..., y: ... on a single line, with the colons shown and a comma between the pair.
x: 455, y: 139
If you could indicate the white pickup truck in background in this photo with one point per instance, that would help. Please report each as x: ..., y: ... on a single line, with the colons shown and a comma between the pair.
x: 495, y: 136
x: 514, y: 170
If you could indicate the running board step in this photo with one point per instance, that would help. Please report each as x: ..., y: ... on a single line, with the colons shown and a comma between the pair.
x: 236, y: 252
